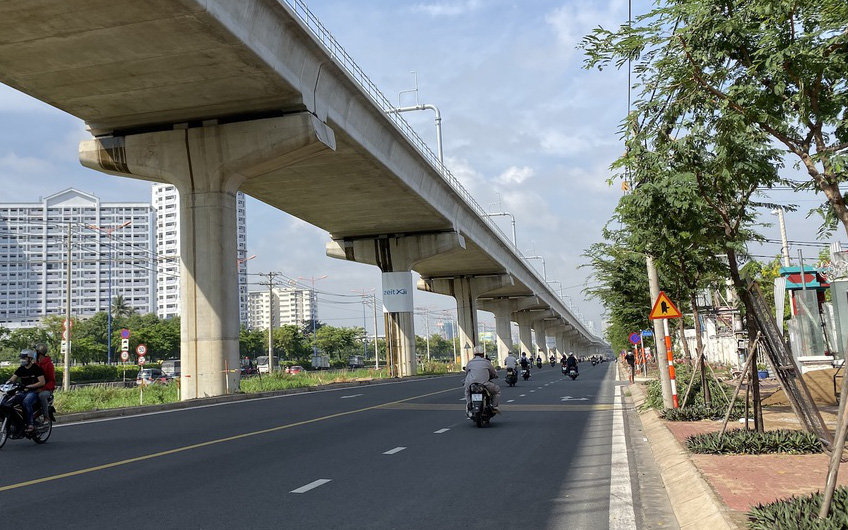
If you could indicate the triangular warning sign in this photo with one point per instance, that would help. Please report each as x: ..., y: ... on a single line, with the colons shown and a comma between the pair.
x: 663, y: 308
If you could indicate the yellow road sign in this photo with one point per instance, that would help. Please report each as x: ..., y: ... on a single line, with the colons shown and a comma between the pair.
x: 663, y: 308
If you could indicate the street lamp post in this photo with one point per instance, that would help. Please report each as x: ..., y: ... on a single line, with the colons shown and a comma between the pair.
x: 514, y: 240
x: 544, y: 270
x: 314, y: 302
x: 108, y: 232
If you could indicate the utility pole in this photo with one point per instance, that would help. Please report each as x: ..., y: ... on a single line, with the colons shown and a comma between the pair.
x: 66, y: 339
x: 270, y: 284
x: 376, y: 349
x: 363, y: 292
x: 659, y: 332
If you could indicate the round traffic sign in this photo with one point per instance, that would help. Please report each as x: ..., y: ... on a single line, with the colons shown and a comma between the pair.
x: 125, y: 356
x: 141, y: 349
x: 141, y: 359
x: 125, y: 333
x: 635, y: 338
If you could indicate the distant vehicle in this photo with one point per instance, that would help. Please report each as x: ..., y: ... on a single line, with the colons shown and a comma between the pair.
x: 149, y: 376
x: 294, y: 370
x: 171, y: 367
x: 262, y: 364
x: 355, y: 361
x: 321, y: 362
x: 247, y: 367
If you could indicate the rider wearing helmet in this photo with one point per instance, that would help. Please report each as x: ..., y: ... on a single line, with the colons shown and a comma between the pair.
x: 480, y: 370
x: 571, y: 362
x: 32, y: 377
x: 46, y: 364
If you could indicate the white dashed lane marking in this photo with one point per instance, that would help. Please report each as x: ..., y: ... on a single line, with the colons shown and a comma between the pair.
x: 440, y: 431
x: 395, y: 450
x: 311, y: 485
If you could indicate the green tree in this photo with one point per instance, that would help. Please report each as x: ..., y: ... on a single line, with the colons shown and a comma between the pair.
x: 776, y: 67
x: 338, y: 343
x: 252, y: 343
x: 121, y: 308
x: 291, y: 343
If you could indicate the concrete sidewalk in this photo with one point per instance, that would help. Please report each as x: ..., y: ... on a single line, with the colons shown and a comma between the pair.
x: 716, y: 491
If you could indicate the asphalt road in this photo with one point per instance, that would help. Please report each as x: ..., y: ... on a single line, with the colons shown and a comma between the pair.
x: 393, y: 455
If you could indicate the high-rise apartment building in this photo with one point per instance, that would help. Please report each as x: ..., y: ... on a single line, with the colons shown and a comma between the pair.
x: 166, y: 203
x: 111, y: 250
x: 286, y: 306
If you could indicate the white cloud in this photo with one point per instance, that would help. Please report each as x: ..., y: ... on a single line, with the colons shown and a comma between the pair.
x: 514, y: 175
x: 450, y: 9
x: 572, y: 22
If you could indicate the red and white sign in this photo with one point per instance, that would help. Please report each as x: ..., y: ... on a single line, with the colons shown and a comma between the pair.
x: 141, y: 359
x: 125, y: 356
x: 141, y: 349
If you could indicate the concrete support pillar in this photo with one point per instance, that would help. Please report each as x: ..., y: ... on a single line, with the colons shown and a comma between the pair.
x: 503, y: 309
x: 525, y: 321
x: 466, y: 290
x: 208, y: 164
x: 540, y: 329
x: 396, y: 256
x: 560, y: 341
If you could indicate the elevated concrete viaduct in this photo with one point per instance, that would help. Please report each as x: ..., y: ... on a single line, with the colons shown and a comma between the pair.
x: 217, y: 96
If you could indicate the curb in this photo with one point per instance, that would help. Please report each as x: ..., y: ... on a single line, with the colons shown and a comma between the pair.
x: 693, y: 500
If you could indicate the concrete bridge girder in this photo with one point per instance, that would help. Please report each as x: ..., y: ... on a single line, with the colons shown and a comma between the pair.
x: 396, y: 256
x: 208, y: 165
x: 466, y: 290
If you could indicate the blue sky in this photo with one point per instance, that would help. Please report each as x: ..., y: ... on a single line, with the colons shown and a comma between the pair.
x: 525, y: 129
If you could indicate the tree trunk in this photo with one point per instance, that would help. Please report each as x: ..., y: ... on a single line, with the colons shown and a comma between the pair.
x: 699, y: 351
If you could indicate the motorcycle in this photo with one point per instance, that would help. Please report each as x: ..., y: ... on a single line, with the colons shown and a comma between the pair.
x: 511, y: 377
x: 480, y: 410
x: 539, y: 364
x: 13, y: 420
x: 572, y: 373
x: 553, y: 362
x: 525, y: 373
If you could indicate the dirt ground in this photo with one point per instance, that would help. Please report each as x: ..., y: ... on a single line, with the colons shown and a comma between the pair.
x: 820, y: 384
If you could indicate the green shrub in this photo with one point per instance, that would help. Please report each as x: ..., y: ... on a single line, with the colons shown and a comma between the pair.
x: 698, y: 412
x: 740, y: 441
x: 801, y: 513
x: 100, y: 398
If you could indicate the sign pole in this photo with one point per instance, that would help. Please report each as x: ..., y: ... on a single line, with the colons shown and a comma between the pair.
x: 670, y: 363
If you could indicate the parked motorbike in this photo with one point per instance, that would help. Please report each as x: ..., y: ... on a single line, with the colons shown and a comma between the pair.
x: 13, y: 420
x: 511, y: 377
x: 525, y: 373
x: 480, y: 411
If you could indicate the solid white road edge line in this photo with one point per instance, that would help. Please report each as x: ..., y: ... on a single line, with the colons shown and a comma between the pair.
x: 395, y: 450
x: 621, y: 515
x: 311, y: 486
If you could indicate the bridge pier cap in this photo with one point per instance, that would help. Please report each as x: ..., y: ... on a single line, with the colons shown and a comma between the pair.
x: 208, y: 165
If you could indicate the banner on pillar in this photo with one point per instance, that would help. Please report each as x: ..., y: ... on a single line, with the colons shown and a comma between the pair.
x: 397, y: 292
x: 550, y: 342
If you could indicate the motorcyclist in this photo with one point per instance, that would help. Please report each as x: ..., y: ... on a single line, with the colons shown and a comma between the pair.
x: 44, y: 361
x: 539, y: 361
x: 571, y: 362
x: 510, y: 361
x: 480, y: 370
x: 525, y: 362
x: 32, y: 377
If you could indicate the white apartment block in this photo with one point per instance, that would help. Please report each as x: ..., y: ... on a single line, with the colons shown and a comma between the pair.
x: 166, y: 203
x: 111, y: 244
x: 287, y: 306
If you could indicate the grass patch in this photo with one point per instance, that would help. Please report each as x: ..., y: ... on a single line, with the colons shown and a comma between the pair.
x: 740, y: 441
x: 801, y: 513
x: 101, y: 398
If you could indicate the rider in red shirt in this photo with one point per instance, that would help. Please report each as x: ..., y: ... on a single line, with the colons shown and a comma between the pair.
x: 46, y: 364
